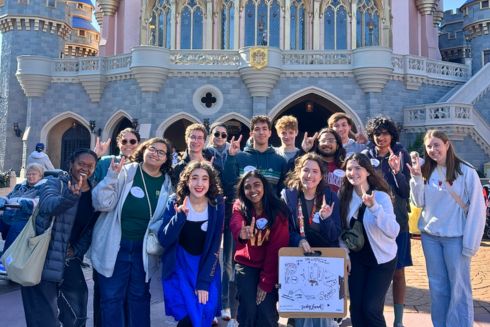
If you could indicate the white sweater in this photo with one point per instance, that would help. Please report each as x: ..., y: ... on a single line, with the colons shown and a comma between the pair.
x: 441, y: 214
x: 380, y: 224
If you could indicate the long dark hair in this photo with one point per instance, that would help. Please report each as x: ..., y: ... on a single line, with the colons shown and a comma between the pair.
x: 293, y: 179
x: 137, y: 155
x: 375, y: 181
x: 271, y: 203
x: 214, y: 190
x: 453, y: 162
x: 339, y: 154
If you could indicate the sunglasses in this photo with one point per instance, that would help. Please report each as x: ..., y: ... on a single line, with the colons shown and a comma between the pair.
x: 132, y: 141
x: 222, y: 134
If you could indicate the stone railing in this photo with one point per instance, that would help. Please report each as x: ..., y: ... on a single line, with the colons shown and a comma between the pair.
x: 308, y: 58
x: 421, y: 66
x: 89, y: 40
x: 205, y: 58
x: 476, y: 87
x: 438, y: 114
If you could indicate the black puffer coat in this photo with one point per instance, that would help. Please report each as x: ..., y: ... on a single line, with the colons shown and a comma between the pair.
x: 56, y: 200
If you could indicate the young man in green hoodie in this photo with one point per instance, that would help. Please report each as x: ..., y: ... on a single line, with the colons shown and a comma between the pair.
x: 260, y: 156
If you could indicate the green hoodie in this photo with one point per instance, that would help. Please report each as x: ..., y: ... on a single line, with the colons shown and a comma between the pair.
x: 268, y: 163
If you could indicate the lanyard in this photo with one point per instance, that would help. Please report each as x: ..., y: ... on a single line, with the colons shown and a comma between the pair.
x: 301, y: 218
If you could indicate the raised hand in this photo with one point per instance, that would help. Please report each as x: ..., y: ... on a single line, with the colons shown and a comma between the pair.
x: 367, y: 199
x: 117, y: 166
x: 77, y: 187
x: 183, y: 207
x: 326, y: 210
x: 394, y: 161
x: 261, y: 294
x: 101, y: 147
x: 234, y: 145
x: 308, y: 142
x: 248, y: 232
x: 361, y: 138
x: 415, y: 169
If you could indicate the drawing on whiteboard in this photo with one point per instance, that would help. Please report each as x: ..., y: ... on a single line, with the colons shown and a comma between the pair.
x: 311, y: 284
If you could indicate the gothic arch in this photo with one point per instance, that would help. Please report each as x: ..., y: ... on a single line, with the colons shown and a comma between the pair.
x: 112, y: 123
x: 233, y: 115
x: 172, y: 119
x: 59, y: 118
x: 278, y: 108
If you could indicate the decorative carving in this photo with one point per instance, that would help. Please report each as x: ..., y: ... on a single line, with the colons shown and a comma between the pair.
x: 259, y: 57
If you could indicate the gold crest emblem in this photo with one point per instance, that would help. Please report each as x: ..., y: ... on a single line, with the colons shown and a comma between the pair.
x: 259, y: 57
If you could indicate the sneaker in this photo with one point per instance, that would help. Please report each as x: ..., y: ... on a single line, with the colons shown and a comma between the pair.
x: 215, y: 321
x: 232, y: 323
x: 226, y: 314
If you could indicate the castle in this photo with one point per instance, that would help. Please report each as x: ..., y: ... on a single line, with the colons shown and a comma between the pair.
x: 163, y: 64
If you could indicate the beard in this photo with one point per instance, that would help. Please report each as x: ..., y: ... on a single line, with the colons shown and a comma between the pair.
x: 326, y: 153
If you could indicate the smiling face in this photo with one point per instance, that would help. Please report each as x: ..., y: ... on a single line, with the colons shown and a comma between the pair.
x: 310, y: 175
x: 127, y: 144
x: 437, y: 149
x: 198, y: 183
x: 218, y: 140
x: 155, y: 155
x: 288, y: 137
x: 327, y: 144
x: 261, y: 134
x: 33, y: 176
x: 382, y: 139
x: 254, y: 190
x: 83, y: 166
x: 342, y: 128
x: 195, y: 141
x: 356, y: 174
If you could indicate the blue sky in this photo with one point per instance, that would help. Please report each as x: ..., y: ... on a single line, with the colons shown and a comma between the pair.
x: 453, y: 4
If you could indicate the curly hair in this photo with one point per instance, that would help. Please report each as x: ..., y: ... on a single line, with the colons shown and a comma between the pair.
x: 137, y: 156
x: 339, y: 155
x: 286, y: 122
x: 214, y: 190
x: 375, y: 181
x: 196, y: 127
x: 260, y: 119
x: 293, y: 179
x: 382, y: 123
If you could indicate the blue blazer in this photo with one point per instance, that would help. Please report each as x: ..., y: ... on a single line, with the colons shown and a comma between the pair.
x: 169, y: 234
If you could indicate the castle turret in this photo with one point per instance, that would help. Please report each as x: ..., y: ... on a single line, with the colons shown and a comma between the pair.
x: 476, y: 22
x: 84, y: 38
x: 26, y: 28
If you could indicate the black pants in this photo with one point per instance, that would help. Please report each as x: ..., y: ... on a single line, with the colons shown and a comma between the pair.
x: 249, y: 313
x: 49, y: 304
x: 368, y: 285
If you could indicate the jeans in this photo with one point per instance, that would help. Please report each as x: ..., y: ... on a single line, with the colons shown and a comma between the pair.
x: 249, y: 313
x: 10, y: 232
x: 127, y: 284
x: 368, y: 285
x: 51, y: 304
x: 449, y: 281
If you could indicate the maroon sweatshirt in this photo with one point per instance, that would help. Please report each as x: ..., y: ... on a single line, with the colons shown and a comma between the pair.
x: 262, y: 251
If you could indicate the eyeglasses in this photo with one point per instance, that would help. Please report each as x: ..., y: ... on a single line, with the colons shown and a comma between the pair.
x: 331, y: 141
x: 131, y: 141
x: 196, y: 138
x: 159, y: 153
x: 379, y: 133
x: 222, y: 134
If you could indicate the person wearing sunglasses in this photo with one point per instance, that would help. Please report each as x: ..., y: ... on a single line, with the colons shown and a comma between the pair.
x: 127, y: 140
x: 218, y: 145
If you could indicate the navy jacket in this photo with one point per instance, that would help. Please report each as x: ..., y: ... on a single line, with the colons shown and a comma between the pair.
x: 169, y: 235
x: 330, y: 228
x: 399, y: 183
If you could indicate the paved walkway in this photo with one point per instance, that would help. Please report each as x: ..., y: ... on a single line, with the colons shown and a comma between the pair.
x: 417, y: 300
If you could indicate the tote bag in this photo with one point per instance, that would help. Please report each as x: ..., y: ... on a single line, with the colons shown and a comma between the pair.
x: 24, y: 259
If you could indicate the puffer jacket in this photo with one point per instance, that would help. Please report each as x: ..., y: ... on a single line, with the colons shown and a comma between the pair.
x: 58, y: 202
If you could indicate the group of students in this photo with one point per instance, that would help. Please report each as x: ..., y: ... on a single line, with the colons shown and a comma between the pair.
x: 137, y: 211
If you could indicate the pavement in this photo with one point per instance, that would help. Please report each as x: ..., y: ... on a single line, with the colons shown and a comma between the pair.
x: 417, y: 311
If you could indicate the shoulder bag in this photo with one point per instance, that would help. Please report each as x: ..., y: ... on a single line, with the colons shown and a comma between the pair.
x: 354, y: 237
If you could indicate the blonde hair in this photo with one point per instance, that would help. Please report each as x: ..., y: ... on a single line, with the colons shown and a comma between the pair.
x: 286, y: 122
x: 196, y: 127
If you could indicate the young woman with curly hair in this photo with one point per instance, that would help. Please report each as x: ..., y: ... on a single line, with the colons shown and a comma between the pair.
x: 132, y: 199
x: 191, y: 235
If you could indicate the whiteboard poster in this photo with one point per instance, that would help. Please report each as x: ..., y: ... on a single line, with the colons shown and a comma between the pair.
x: 312, y: 285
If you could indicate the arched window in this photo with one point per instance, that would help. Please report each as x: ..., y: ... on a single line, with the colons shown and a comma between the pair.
x: 159, y: 25
x: 335, y: 26
x: 367, y: 23
x: 227, y: 24
x: 297, y: 24
x: 191, y: 26
x: 262, y: 22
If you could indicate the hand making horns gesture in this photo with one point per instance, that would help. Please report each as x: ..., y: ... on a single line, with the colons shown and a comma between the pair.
x: 308, y: 142
x: 117, y: 166
x: 248, y: 232
x: 367, y: 199
x: 415, y: 169
x: 326, y: 210
x: 394, y: 161
x: 234, y: 145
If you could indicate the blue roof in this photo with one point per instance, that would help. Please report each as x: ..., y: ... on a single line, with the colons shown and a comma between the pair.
x: 78, y: 22
x: 88, y: 2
